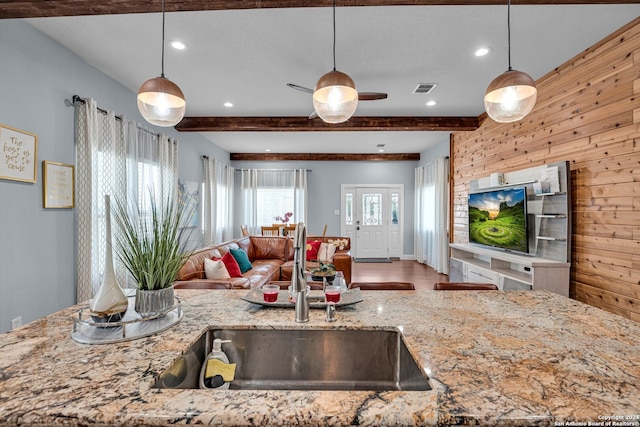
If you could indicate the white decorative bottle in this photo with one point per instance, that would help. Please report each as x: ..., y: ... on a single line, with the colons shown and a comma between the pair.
x: 210, y: 377
x: 110, y: 303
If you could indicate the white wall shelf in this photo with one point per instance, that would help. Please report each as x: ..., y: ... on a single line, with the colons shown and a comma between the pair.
x: 555, y: 239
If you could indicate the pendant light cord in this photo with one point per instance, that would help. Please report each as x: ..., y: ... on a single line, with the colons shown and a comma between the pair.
x: 162, y: 65
x: 334, y: 35
x: 508, y: 31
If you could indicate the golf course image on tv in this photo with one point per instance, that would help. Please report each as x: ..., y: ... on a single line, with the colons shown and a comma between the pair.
x: 498, y: 218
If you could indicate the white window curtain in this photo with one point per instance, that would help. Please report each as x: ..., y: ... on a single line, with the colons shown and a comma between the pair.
x: 217, y: 221
x: 120, y: 158
x: 432, y: 215
x: 261, y: 190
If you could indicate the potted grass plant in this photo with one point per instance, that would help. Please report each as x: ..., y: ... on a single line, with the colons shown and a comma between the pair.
x: 150, y: 243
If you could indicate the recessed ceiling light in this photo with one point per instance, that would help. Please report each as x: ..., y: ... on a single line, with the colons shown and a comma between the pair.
x: 228, y: 104
x: 176, y: 44
x: 267, y: 149
x: 483, y: 51
x: 430, y: 103
x: 381, y: 151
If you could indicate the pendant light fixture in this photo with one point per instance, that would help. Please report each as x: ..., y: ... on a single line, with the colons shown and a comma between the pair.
x: 335, y: 97
x: 512, y: 95
x: 160, y: 101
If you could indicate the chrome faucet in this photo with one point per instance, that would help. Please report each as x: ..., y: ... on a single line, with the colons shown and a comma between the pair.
x: 299, y: 275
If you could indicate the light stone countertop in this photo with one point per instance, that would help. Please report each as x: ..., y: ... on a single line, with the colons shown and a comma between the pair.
x: 494, y: 358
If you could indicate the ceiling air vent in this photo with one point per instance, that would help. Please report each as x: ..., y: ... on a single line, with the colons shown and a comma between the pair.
x: 424, y: 88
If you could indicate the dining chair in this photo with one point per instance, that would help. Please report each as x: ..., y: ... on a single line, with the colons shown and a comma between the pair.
x: 324, y: 232
x: 383, y: 286
x: 245, y: 230
x: 464, y: 286
x: 269, y: 230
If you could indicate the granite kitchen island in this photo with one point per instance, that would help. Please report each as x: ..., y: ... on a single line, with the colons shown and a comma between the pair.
x: 493, y: 358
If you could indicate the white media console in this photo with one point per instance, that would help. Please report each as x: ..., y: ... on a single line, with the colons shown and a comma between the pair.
x: 470, y: 263
x: 549, y: 237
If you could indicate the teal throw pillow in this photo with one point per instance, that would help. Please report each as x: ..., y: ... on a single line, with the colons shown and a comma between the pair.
x: 242, y: 259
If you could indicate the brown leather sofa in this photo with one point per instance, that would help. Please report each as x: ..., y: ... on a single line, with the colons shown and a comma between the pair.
x: 268, y: 256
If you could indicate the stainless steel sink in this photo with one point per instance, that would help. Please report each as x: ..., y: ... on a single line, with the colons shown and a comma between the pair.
x: 305, y: 359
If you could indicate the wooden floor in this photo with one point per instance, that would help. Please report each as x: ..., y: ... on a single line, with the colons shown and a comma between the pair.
x: 420, y: 275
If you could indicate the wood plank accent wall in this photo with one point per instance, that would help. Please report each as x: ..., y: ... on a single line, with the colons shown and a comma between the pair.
x: 587, y: 112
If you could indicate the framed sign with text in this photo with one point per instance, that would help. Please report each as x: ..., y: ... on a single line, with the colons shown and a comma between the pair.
x: 18, y: 152
x: 58, y: 185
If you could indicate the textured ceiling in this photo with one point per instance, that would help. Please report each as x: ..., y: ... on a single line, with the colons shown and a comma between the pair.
x: 247, y: 56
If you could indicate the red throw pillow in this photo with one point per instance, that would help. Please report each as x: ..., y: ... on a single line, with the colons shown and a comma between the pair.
x: 312, y: 250
x: 232, y: 265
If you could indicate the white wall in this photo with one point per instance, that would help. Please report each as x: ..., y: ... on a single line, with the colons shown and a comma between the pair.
x: 324, y: 184
x: 435, y: 152
x: 37, y: 246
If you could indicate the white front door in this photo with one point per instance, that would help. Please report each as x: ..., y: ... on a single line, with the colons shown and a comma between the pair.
x: 372, y: 217
x: 372, y: 224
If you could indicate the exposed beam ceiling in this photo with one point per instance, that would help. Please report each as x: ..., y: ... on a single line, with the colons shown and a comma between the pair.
x: 324, y: 157
x: 302, y: 124
x: 242, y: 54
x: 39, y: 8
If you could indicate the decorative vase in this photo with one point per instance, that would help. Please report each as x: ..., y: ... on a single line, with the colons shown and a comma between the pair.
x: 110, y: 303
x: 154, y: 302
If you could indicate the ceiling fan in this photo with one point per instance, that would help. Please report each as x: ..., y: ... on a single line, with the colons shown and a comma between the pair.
x: 362, y: 96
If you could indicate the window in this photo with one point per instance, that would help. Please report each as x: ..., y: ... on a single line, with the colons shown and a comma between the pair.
x: 273, y: 202
x: 395, y: 208
x: 372, y: 209
x: 268, y: 193
x: 148, y: 183
x: 348, y: 209
x: 122, y: 159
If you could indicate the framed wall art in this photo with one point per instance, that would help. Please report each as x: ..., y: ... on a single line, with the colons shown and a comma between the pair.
x: 18, y: 154
x: 189, y: 194
x: 58, y: 189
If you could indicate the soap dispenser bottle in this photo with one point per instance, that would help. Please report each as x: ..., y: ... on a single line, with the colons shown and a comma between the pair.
x: 216, y: 381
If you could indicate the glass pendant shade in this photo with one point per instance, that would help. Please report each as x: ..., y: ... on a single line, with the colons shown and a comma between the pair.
x: 161, y: 102
x: 335, y: 97
x: 510, y: 96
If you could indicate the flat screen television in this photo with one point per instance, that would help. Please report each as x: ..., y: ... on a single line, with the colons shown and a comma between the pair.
x: 498, y: 218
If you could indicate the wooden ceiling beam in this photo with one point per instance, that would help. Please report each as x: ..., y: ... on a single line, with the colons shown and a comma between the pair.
x: 303, y: 124
x: 12, y: 9
x: 314, y: 157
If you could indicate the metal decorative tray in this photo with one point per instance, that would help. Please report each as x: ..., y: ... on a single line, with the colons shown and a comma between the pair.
x: 131, y: 327
x: 254, y: 296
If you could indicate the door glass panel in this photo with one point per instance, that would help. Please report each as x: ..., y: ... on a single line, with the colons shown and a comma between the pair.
x: 348, y: 203
x: 372, y: 209
x: 395, y: 201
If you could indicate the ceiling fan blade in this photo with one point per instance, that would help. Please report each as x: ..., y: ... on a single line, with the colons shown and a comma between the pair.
x: 371, y: 96
x: 362, y: 96
x: 298, y: 87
